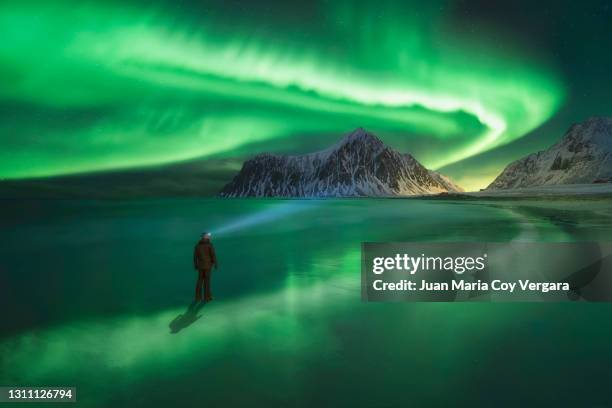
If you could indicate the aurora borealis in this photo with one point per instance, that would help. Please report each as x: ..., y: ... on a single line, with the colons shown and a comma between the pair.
x: 103, y: 85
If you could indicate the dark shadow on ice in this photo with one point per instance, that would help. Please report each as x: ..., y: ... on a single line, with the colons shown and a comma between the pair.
x: 593, y: 282
x: 186, y: 319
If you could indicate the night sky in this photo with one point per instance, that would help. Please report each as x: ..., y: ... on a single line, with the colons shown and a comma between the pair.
x: 465, y: 86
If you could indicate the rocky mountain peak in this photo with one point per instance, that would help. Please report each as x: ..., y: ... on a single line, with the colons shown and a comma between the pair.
x: 595, y: 130
x: 359, y: 164
x: 360, y: 135
x: 583, y: 155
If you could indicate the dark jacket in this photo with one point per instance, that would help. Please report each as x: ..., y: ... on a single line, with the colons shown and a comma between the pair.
x: 204, y: 255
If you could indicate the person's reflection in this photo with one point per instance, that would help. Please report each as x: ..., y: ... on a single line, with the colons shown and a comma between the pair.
x: 186, y: 319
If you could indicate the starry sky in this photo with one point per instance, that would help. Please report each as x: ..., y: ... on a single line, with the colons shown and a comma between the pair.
x: 465, y: 86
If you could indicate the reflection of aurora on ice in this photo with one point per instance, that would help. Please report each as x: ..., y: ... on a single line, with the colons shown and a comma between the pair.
x: 139, y: 342
x: 332, y: 284
x: 294, y: 319
x: 290, y: 299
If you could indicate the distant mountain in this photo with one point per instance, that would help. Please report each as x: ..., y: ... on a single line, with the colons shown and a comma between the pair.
x: 583, y: 155
x: 358, y: 165
x: 194, y: 178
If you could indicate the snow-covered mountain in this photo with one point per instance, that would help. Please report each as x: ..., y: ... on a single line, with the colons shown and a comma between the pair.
x: 358, y: 165
x: 583, y: 155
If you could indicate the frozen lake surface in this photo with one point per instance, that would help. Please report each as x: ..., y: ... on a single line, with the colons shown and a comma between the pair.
x: 90, y: 289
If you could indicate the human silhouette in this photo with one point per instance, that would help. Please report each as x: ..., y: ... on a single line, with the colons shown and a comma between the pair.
x: 204, y: 258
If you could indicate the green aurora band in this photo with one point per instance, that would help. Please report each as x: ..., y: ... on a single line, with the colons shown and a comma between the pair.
x: 103, y: 85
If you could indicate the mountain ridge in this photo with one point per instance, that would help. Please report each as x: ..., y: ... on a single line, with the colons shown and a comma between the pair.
x: 358, y: 165
x: 582, y: 155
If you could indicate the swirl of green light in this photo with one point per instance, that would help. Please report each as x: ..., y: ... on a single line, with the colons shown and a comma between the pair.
x: 165, y: 80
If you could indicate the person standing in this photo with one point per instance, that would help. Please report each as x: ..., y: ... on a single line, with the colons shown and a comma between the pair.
x: 204, y: 258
